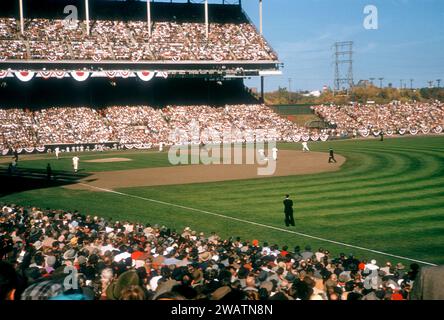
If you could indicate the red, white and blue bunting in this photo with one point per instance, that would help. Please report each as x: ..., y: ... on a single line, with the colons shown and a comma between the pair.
x: 59, y: 74
x: 364, y: 132
x: 176, y: 59
x: 139, y: 146
x: 389, y: 132
x: 24, y: 76
x: 324, y: 137
x: 315, y: 137
x: 44, y: 74
x: 297, y: 138
x: 376, y: 133
x: 80, y: 75
x: 305, y: 137
x: 146, y: 75
x: 97, y: 58
x: 402, y: 131
x: 438, y: 130
x: 425, y: 130
x: 5, y: 152
x: 2, y: 58
x: 413, y: 131
x: 162, y: 75
x: 111, y: 74
x: 4, y: 73
x: 51, y: 57
x: 125, y: 74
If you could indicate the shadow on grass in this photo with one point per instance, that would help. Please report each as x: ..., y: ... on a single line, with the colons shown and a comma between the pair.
x: 30, y: 179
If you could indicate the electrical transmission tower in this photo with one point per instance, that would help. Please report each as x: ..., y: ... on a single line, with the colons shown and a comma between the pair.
x: 343, y: 57
x: 439, y: 83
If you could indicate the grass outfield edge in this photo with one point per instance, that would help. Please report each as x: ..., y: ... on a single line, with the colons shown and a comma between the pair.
x: 260, y: 225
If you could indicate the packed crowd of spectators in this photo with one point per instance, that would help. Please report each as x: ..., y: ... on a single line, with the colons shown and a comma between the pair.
x: 118, y: 40
x: 144, y: 125
x: 54, y: 254
x: 392, y: 117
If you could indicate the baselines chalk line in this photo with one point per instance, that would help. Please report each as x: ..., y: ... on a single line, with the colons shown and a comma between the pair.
x: 258, y: 224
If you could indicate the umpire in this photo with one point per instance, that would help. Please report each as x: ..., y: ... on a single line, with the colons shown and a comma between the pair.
x: 288, y: 210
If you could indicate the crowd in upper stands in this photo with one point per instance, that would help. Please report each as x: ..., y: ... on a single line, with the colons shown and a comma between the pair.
x: 391, y: 117
x: 21, y: 128
x: 121, y: 260
x: 46, y: 39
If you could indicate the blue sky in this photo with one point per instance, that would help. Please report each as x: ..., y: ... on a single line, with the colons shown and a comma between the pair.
x: 409, y: 42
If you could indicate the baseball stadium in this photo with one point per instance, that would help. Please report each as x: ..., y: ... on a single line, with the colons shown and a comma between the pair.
x: 132, y: 149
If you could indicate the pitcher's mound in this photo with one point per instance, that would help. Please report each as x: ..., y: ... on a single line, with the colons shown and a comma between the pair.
x: 108, y: 160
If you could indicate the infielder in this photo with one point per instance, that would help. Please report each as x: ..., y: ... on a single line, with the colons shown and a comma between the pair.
x: 275, y: 153
x: 305, y: 147
x: 75, y: 163
x: 57, y: 152
x: 261, y: 153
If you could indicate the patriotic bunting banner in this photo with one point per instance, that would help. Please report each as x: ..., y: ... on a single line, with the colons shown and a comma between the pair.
x: 125, y: 74
x: 24, y: 76
x: 146, y: 75
x: 324, y: 137
x: 80, y: 75
x: 413, y: 131
x: 111, y: 74
x: 438, y: 130
x: 4, y: 73
x: 97, y: 58
x: 162, y: 74
x: 315, y: 137
x: 45, y: 74
x: 425, y: 130
x: 59, y: 74
x: 402, y: 131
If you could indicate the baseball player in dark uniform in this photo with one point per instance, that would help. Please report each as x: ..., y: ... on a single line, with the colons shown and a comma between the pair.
x: 332, y: 156
x: 288, y: 210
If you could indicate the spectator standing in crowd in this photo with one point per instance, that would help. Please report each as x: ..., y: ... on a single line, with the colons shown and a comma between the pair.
x: 288, y: 210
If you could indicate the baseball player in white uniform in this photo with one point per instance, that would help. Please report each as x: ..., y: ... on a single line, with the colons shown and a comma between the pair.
x: 57, y: 152
x: 261, y: 153
x: 305, y: 147
x: 161, y: 147
x: 275, y: 153
x: 75, y: 163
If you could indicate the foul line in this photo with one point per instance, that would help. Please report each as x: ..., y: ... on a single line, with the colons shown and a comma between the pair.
x: 259, y: 225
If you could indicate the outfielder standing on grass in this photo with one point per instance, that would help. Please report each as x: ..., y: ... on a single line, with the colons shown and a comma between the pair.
x: 305, y: 147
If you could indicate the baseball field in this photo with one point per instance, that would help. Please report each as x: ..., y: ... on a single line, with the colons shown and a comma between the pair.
x: 383, y: 200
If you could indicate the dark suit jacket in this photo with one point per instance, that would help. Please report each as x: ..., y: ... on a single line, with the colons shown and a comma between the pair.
x: 288, y: 203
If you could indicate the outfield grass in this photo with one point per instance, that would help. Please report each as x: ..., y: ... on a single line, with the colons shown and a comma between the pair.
x: 389, y: 196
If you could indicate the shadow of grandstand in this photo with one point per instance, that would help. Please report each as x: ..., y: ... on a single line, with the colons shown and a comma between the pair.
x: 31, y: 179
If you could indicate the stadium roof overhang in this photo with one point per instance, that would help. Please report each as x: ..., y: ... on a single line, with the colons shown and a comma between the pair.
x: 181, y: 69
